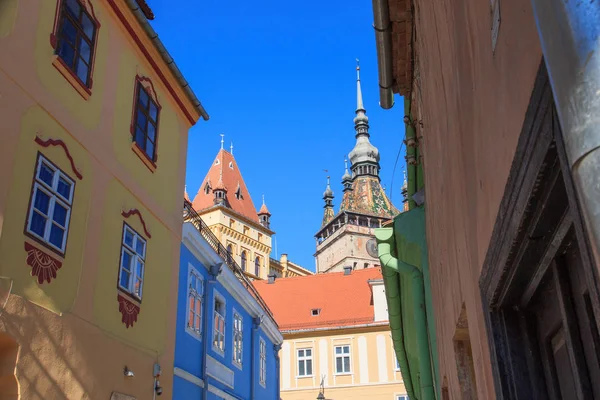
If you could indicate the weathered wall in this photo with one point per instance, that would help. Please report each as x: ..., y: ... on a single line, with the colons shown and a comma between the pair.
x: 473, y: 106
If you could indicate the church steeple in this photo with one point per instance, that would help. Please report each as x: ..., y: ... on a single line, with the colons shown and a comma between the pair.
x: 364, y: 158
x: 328, y: 214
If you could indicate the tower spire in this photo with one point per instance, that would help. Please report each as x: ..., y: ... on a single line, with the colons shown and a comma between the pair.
x: 328, y: 197
x: 346, y: 178
x: 222, y: 140
x: 231, y: 148
x: 359, y: 100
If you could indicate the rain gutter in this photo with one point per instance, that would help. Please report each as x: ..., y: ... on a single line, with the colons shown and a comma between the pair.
x: 393, y: 269
x: 153, y: 36
x: 383, y: 41
x: 570, y: 37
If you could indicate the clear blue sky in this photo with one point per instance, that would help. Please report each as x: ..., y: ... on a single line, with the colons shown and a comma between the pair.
x: 278, y: 78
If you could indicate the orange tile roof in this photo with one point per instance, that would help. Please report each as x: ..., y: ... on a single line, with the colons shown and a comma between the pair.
x: 344, y: 300
x: 231, y: 178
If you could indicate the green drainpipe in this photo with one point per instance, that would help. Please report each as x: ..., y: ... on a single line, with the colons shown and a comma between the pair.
x: 389, y: 263
x: 411, y: 170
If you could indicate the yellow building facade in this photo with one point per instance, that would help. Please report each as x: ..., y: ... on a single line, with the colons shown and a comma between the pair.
x: 94, y: 129
x: 336, y: 333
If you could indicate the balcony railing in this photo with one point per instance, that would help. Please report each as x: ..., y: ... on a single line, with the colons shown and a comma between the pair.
x: 190, y: 215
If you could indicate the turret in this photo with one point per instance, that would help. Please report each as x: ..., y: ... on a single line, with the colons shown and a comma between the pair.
x: 264, y: 215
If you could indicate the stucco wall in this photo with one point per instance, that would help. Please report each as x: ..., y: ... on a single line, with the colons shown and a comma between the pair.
x: 72, y: 340
x: 473, y: 106
x: 373, y: 365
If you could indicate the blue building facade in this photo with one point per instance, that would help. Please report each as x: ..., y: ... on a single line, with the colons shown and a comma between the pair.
x: 227, y: 344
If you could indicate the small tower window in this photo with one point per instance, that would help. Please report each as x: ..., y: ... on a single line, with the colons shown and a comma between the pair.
x: 207, y: 188
x: 244, y: 258
x: 257, y: 266
x: 315, y: 312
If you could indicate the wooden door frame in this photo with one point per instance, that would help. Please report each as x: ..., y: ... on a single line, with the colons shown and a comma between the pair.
x: 512, y: 353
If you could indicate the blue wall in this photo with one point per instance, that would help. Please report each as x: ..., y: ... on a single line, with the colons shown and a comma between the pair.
x: 189, y: 349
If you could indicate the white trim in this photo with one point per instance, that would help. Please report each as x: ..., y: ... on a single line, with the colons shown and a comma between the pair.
x: 363, y: 360
x: 188, y: 377
x: 135, y: 257
x: 196, y: 244
x: 220, y: 372
x: 305, y: 358
x: 323, y: 361
x: 216, y: 295
x: 342, y: 355
x: 235, y: 362
x: 221, y: 393
x: 263, y: 382
x: 382, y: 364
x: 191, y: 331
x: 285, y: 365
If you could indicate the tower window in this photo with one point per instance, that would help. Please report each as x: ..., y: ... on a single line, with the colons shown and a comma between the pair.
x: 207, y: 188
x: 238, y: 193
x: 244, y: 258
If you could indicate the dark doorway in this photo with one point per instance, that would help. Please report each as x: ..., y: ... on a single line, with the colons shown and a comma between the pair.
x: 538, y: 284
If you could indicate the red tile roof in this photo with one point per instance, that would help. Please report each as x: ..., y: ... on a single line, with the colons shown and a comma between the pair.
x: 231, y: 178
x: 344, y: 300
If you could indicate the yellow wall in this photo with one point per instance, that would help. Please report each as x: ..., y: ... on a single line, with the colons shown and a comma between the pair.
x: 373, y: 373
x: 72, y: 341
x: 219, y: 222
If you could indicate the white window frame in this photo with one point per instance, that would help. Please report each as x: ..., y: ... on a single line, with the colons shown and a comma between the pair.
x: 304, y: 359
x: 198, y: 294
x: 342, y: 355
x: 262, y: 362
x: 136, y: 257
x: 218, y: 336
x: 401, y: 397
x: 238, y: 339
x: 52, y: 192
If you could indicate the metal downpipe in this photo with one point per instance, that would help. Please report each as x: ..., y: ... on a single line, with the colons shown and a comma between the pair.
x: 570, y: 37
x: 386, y: 242
x: 383, y: 41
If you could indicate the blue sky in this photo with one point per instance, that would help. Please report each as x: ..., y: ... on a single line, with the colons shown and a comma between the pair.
x: 278, y: 78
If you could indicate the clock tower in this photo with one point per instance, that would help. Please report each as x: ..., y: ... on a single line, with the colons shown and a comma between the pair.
x: 347, y: 239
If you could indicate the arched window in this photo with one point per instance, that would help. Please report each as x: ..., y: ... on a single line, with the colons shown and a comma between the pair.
x: 244, y: 260
x: 230, y: 250
x: 257, y: 266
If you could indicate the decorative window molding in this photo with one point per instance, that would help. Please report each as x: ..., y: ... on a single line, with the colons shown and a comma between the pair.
x: 58, y: 142
x: 135, y: 211
x: 43, y: 266
x: 305, y: 363
x: 195, y: 302
x: 49, y: 210
x: 74, y: 38
x: 219, y: 314
x: 132, y: 263
x: 343, y: 363
x: 263, y: 362
x: 238, y: 339
x: 145, y: 121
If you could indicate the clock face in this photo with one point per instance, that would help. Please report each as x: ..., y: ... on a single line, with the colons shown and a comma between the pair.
x: 372, y: 248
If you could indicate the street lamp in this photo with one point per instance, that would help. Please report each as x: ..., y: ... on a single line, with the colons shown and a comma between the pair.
x: 321, y: 396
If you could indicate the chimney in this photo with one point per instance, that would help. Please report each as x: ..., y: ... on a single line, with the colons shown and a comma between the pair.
x: 271, y: 278
x: 347, y: 270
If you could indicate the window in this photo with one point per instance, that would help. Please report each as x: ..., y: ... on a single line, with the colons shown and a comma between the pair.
x: 263, y: 363
x: 133, y: 256
x: 238, y: 193
x: 305, y: 362
x: 397, y: 364
x: 50, y: 205
x: 402, y: 397
x: 342, y: 359
x: 219, y: 325
x: 244, y: 260
x: 315, y: 311
x: 195, y: 301
x: 238, y: 338
x: 246, y: 230
x: 260, y: 237
x: 75, y: 39
x: 207, y: 188
x: 230, y: 250
x: 145, y: 122
x: 257, y: 266
x: 231, y: 223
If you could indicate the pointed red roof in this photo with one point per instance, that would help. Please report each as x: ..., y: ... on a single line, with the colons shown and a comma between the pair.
x: 342, y: 300
x: 264, y: 210
x: 231, y: 178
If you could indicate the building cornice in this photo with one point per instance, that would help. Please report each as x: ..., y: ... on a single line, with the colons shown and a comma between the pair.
x: 232, y: 213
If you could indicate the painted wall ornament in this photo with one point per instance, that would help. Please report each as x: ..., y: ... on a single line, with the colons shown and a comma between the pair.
x: 128, y: 310
x: 43, y: 266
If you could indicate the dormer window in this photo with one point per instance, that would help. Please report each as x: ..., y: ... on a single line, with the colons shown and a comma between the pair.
x: 315, y: 312
x: 207, y: 188
x: 238, y: 193
x: 231, y: 164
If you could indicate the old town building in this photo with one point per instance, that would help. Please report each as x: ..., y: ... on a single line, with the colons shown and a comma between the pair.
x: 95, y: 117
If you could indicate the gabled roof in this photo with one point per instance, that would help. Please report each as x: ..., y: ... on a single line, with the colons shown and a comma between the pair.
x: 224, y: 169
x: 343, y: 300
